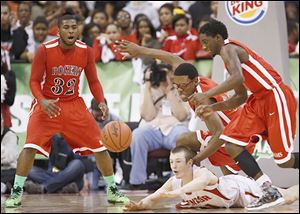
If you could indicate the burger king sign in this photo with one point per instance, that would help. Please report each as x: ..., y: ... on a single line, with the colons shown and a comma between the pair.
x: 246, y: 12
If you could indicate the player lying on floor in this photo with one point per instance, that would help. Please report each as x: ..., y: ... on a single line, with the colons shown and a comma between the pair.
x: 200, y: 188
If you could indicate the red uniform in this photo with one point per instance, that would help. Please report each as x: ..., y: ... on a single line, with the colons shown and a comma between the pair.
x: 221, y: 157
x: 55, y: 74
x: 271, y: 108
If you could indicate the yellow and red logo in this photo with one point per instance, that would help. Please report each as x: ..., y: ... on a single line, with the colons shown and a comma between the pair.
x: 246, y: 12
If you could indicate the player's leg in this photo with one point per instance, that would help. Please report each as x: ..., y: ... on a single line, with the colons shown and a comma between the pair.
x: 282, y: 116
x: 104, y: 164
x: 189, y: 139
x: 24, y: 165
x: 39, y: 131
x: 83, y: 135
x: 237, y: 134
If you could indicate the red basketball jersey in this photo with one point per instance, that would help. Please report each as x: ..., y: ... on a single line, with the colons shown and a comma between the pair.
x: 58, y: 71
x: 259, y: 75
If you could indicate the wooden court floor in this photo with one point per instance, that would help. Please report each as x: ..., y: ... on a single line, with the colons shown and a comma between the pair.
x: 95, y: 202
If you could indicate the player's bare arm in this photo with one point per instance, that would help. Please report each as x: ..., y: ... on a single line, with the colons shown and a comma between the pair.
x: 150, y: 201
x: 136, y: 50
x: 215, y: 126
x: 94, y: 83
x: 230, y: 57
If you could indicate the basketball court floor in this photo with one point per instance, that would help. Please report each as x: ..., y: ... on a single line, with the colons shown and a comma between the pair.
x: 95, y: 202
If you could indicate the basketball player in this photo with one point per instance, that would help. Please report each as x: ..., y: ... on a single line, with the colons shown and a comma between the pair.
x: 271, y: 108
x: 187, y: 81
x: 54, y: 81
x: 200, y: 188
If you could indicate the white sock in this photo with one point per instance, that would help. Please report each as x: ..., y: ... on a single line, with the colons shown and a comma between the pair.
x: 262, y: 179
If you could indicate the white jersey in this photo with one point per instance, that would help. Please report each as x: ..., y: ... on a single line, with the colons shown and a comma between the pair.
x: 229, y: 191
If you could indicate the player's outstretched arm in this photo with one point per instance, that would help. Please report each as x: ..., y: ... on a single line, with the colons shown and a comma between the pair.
x: 135, y: 50
x: 215, y: 126
x: 151, y: 200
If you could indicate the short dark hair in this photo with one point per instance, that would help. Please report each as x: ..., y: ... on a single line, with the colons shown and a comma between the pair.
x: 25, y: 3
x: 188, y: 152
x: 178, y: 17
x: 99, y: 11
x: 69, y: 14
x: 40, y: 19
x: 186, y: 69
x: 168, y: 6
x: 214, y: 27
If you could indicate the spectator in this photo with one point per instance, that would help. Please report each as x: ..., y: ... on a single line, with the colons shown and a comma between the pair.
x: 13, y: 39
x: 40, y: 35
x: 25, y: 22
x: 10, y: 81
x: 100, y: 18
x: 103, y: 45
x: 136, y: 7
x: 214, y: 9
x: 164, y: 116
x: 8, y: 20
x: 38, y: 9
x: 90, y: 32
x: 111, y: 8
x: 146, y: 36
x: 292, y: 10
x: 9, y: 148
x: 80, y: 22
x: 137, y: 18
x: 293, y: 35
x: 75, y: 5
x: 123, y: 21
x: 65, y: 171
x: 198, y: 10
x: 165, y: 18
x: 116, y: 156
x: 184, y: 44
x: 52, y: 12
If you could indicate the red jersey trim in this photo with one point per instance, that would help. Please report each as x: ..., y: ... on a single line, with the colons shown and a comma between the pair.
x: 216, y: 192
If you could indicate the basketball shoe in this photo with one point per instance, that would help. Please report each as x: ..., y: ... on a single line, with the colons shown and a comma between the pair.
x: 15, y: 197
x: 114, y: 196
x: 271, y: 197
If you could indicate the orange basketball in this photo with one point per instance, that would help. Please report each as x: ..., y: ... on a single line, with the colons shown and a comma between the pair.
x: 116, y: 136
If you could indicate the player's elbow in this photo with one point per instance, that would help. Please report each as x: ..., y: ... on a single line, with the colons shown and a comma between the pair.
x: 239, y: 79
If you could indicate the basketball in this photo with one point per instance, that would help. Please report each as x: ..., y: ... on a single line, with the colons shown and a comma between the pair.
x: 116, y: 136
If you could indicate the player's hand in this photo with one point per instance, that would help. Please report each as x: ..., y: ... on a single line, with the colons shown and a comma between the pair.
x: 127, y: 49
x: 49, y: 107
x: 103, y: 107
x: 132, y: 206
x: 197, y: 98
x: 203, y: 111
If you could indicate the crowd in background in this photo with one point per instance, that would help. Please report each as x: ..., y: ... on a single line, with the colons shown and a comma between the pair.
x: 168, y: 25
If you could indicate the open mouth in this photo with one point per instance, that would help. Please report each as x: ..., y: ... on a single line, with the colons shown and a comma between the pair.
x: 71, y: 38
